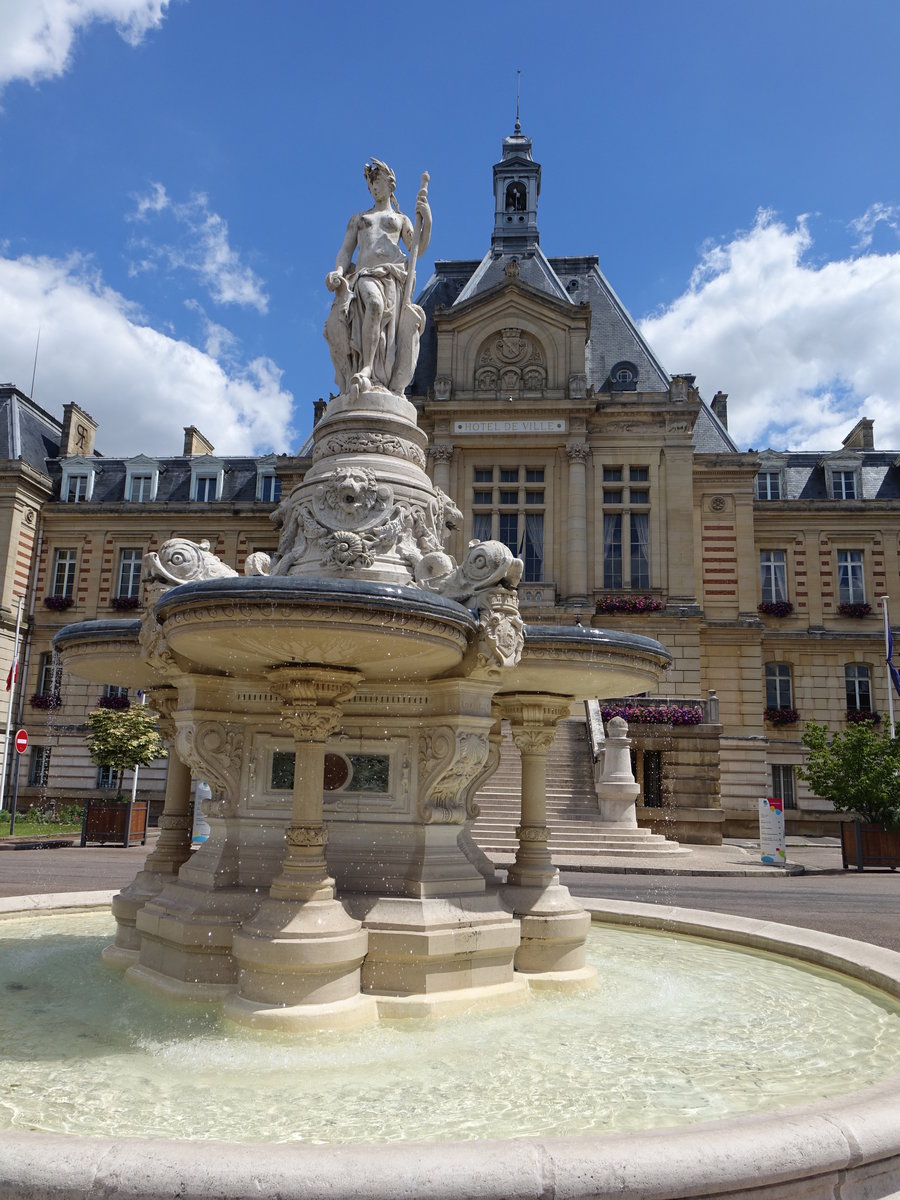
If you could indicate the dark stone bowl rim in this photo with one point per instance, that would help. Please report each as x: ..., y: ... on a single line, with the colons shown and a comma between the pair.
x: 101, y: 630
x: 581, y: 635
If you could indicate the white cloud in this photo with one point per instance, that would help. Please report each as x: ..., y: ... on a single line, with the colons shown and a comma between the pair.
x: 141, y: 385
x: 803, y: 350
x: 875, y: 215
x: 202, y: 249
x: 38, y: 35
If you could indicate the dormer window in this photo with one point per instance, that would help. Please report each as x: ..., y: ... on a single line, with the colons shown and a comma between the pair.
x: 268, y: 485
x: 141, y: 479
x: 623, y: 377
x: 843, y: 485
x: 207, y: 478
x: 77, y: 480
x: 768, y: 485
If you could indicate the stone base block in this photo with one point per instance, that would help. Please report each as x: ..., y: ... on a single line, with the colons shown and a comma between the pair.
x: 186, y: 932
x: 297, y: 953
x: 554, y: 928
x: 117, y: 956
x: 581, y: 979
x: 350, y: 1013
x: 400, y: 859
x: 170, y: 988
x: 128, y: 903
x: 432, y: 947
x: 451, y: 1004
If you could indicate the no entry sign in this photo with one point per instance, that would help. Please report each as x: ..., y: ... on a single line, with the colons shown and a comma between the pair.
x: 21, y: 740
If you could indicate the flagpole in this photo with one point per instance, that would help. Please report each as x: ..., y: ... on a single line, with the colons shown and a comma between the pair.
x: 11, y: 688
x: 888, y: 654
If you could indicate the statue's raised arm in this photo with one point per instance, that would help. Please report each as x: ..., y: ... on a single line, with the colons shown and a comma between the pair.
x: 374, y: 327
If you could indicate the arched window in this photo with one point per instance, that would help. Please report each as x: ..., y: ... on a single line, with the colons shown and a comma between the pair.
x: 516, y: 197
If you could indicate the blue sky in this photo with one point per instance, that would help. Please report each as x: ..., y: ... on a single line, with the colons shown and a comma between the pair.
x: 178, y: 176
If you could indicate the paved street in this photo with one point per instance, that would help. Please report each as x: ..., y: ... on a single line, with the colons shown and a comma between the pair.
x: 863, y: 905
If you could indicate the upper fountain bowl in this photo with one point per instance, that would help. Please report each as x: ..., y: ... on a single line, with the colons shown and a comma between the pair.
x: 245, y: 625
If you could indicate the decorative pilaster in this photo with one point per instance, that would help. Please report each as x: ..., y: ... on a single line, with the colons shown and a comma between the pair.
x: 173, y: 846
x: 576, y: 543
x: 441, y: 455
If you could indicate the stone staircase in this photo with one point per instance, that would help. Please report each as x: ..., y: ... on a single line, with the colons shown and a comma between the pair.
x: 572, y: 812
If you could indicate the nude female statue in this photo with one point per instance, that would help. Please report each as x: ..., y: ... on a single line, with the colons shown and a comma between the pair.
x: 373, y: 328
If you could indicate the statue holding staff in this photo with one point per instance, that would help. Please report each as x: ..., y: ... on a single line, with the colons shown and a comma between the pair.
x: 373, y: 328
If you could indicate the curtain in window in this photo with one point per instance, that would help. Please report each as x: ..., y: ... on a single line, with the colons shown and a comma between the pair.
x: 612, y: 550
x: 534, y: 547
x: 640, y: 550
x: 481, y: 527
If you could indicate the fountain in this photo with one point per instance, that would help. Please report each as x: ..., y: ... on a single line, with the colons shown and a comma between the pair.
x: 362, y: 655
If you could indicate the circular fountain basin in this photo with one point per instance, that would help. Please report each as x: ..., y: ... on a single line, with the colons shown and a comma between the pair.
x: 246, y: 625
x: 587, y: 663
x: 844, y: 1142
x: 105, y: 652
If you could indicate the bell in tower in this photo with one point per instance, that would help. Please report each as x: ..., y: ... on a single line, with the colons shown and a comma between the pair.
x: 517, y: 186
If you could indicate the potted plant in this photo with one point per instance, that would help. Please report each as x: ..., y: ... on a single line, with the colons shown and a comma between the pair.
x: 120, y: 738
x: 858, y: 770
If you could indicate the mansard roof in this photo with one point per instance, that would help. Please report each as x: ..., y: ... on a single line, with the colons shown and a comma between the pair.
x: 804, y: 474
x: 26, y: 431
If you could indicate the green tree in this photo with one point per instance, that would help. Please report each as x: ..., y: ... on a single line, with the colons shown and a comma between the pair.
x: 123, y: 738
x: 858, y: 770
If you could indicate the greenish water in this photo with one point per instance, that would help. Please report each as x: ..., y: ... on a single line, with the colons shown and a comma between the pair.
x: 679, y: 1031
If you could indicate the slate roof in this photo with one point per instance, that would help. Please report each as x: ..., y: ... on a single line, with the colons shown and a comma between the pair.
x: 26, y: 431
x: 804, y: 474
x: 238, y: 484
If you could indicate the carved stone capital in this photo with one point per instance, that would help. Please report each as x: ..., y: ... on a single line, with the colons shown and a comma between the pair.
x: 578, y: 452
x: 449, y: 761
x: 164, y: 702
x: 306, y: 687
x: 533, y: 739
x: 442, y: 452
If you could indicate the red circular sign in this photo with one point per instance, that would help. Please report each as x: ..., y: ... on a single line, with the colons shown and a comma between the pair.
x: 21, y: 740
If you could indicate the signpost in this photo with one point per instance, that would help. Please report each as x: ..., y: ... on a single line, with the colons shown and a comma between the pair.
x: 771, y: 832
x: 21, y: 742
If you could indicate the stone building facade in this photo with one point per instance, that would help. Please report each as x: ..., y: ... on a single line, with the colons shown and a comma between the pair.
x: 556, y: 430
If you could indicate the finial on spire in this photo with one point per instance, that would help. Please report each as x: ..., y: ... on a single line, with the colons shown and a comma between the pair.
x: 518, y: 128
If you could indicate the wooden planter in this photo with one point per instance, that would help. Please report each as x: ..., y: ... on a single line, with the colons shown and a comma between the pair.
x: 865, y: 845
x: 125, y: 824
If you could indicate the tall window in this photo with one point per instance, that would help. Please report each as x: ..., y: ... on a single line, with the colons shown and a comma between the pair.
x: 206, y: 488
x: 39, y: 767
x: 269, y: 488
x: 106, y: 778
x: 773, y: 575
x: 843, y: 484
x: 851, y: 585
x: 141, y: 488
x: 779, y: 692
x: 49, y: 675
x: 626, y: 524
x: 783, y: 784
x: 64, y: 573
x: 858, y: 684
x: 768, y: 485
x: 77, y: 489
x: 517, y: 506
x: 130, y: 562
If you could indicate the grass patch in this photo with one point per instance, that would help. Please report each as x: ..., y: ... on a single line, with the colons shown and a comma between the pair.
x: 38, y: 829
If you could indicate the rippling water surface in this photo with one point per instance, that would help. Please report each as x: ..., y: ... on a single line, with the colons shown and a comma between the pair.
x: 679, y: 1031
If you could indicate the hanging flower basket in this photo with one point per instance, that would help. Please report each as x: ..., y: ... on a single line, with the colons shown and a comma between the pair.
x: 630, y: 605
x: 58, y: 603
x: 781, y: 716
x: 775, y: 608
x: 856, y: 609
x: 125, y: 603
x: 654, y: 714
x: 859, y: 716
x: 48, y: 700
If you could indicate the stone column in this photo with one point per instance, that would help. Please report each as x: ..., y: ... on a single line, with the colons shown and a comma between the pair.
x: 442, y: 455
x: 173, y: 846
x: 554, y: 925
x: 576, y: 544
x: 299, y: 956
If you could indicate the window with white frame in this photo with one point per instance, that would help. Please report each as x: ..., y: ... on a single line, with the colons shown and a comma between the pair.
x: 843, y: 485
x: 130, y: 563
x: 141, y: 479
x: 858, y: 685
x: 513, y: 513
x: 77, y: 484
x: 626, y: 522
x: 779, y: 686
x: 207, y: 478
x: 773, y: 575
x: 141, y: 489
x: 64, y: 566
x: 851, y: 580
x: 269, y: 487
x: 783, y: 784
x: 768, y: 485
x: 115, y: 691
x: 206, y: 488
x: 39, y: 767
x: 77, y: 489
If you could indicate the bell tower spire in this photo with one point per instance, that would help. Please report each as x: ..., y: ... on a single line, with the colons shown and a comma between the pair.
x: 517, y: 186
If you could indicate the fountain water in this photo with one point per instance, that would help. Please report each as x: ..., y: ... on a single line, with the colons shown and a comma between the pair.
x: 363, y: 655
